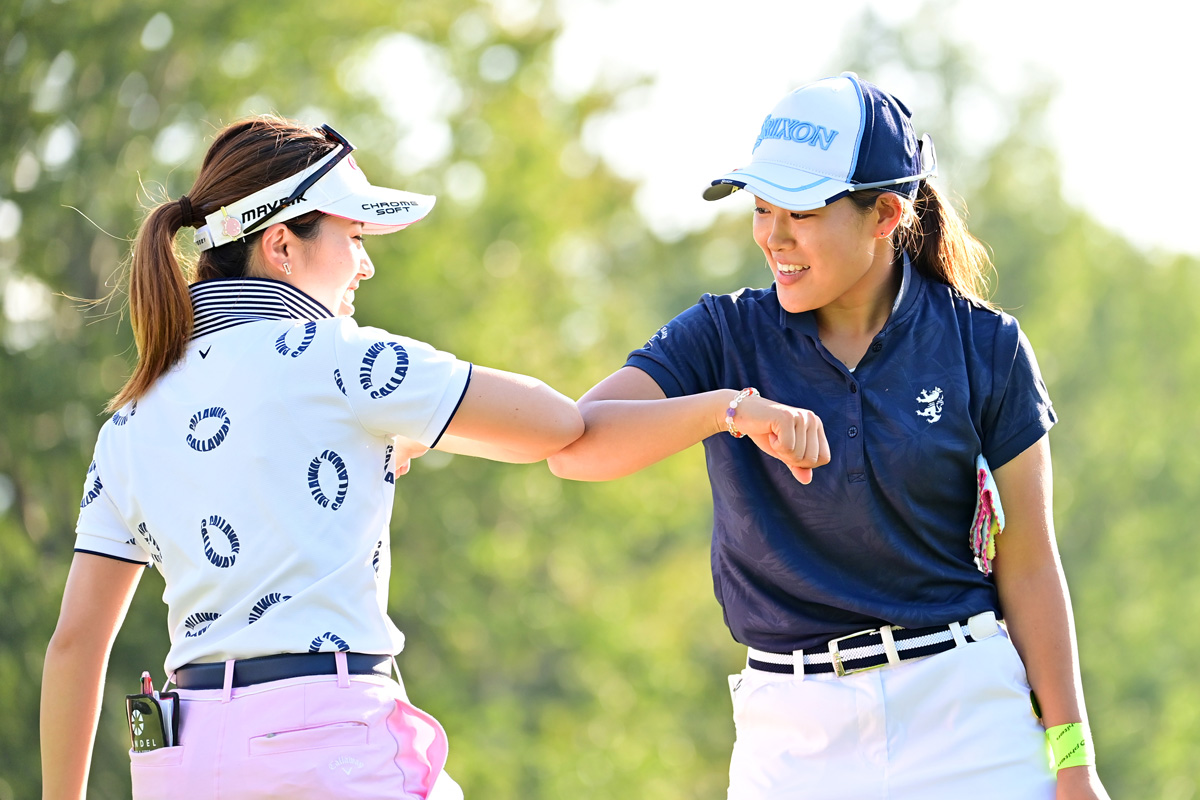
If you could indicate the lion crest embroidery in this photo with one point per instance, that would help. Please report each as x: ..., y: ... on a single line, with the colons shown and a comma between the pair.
x: 932, y: 399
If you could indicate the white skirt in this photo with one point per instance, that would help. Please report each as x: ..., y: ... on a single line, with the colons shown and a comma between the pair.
x: 954, y: 725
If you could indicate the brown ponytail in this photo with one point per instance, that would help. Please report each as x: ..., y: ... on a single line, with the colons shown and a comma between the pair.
x: 245, y: 156
x: 940, y: 245
x: 159, y: 307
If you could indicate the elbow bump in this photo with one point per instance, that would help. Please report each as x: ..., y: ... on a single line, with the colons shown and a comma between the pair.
x: 565, y: 462
x: 565, y: 467
x: 556, y: 465
x: 565, y: 428
x: 550, y: 451
x: 574, y: 429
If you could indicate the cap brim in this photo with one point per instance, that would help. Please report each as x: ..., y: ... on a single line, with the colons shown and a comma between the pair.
x: 381, y: 210
x: 785, y: 187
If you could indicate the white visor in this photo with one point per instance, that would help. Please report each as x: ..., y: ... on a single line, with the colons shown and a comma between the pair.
x: 343, y: 192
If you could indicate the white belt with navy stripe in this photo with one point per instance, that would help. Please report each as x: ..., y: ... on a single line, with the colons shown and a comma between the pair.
x: 876, y: 647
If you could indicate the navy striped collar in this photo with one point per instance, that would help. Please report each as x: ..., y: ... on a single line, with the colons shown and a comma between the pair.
x: 225, y: 302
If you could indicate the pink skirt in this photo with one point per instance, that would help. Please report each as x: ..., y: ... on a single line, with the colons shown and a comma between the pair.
x: 300, y: 738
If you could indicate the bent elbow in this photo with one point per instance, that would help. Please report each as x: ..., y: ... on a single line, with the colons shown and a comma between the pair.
x: 69, y: 640
x: 572, y: 429
x: 562, y: 430
x: 576, y: 464
x: 557, y: 440
x: 560, y: 465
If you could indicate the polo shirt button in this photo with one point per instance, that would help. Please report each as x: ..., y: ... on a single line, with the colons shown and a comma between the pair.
x: 853, y: 388
x: 875, y: 348
x: 853, y: 431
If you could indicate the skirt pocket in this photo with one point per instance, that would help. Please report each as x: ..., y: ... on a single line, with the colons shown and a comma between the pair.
x: 335, y: 734
x: 155, y: 773
x: 162, y: 757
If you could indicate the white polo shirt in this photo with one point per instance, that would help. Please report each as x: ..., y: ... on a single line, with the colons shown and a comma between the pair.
x: 257, y: 474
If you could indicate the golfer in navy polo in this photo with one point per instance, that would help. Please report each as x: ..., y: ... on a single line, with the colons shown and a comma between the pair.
x: 876, y: 440
x: 252, y: 461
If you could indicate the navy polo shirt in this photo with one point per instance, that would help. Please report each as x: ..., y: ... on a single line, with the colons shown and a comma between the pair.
x: 881, y: 535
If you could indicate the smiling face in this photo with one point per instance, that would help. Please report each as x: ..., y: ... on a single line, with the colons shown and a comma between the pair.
x: 330, y: 267
x: 828, y: 257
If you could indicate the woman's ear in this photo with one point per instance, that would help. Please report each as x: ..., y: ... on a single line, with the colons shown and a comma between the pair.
x: 276, y: 248
x: 889, y: 211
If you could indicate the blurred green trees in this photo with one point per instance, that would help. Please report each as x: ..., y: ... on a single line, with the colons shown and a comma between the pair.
x: 564, y: 633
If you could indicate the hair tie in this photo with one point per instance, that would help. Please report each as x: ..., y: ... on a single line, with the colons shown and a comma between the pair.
x: 188, y: 220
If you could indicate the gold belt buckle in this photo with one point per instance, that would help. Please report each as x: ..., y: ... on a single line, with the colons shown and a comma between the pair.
x: 835, y: 657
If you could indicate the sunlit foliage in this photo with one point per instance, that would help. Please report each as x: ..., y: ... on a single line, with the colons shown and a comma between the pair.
x: 564, y: 633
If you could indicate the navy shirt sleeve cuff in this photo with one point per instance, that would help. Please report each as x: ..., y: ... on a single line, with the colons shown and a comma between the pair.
x: 661, y: 375
x: 114, y: 558
x: 461, y: 397
x: 1015, y: 445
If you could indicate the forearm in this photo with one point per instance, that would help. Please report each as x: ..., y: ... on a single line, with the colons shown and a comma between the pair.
x: 95, y: 600
x: 539, y: 422
x: 623, y: 436
x: 1036, y: 604
x: 488, y: 450
x: 1037, y: 610
x: 511, y: 417
x: 72, y: 687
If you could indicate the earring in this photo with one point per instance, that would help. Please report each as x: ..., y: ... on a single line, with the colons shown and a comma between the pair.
x: 286, y: 269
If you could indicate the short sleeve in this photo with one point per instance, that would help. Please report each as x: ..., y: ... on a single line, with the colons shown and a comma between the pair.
x: 684, y: 356
x: 396, y: 385
x: 100, y: 529
x: 1020, y: 412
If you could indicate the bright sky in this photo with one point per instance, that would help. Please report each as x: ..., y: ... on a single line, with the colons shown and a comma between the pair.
x: 1123, y: 114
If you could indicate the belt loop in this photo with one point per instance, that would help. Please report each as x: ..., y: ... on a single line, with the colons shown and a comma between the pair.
x: 798, y: 663
x: 956, y: 630
x: 228, y: 687
x: 889, y: 645
x: 343, y: 673
x: 983, y: 626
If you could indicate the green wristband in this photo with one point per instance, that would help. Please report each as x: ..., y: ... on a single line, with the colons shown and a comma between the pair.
x: 1070, y: 746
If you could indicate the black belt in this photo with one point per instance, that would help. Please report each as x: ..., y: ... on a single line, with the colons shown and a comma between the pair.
x: 249, y: 671
x: 866, y: 649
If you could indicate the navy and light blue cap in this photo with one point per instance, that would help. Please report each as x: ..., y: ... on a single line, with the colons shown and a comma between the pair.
x: 828, y: 139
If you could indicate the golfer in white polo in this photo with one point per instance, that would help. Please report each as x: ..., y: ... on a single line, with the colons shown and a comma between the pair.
x: 251, y: 460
